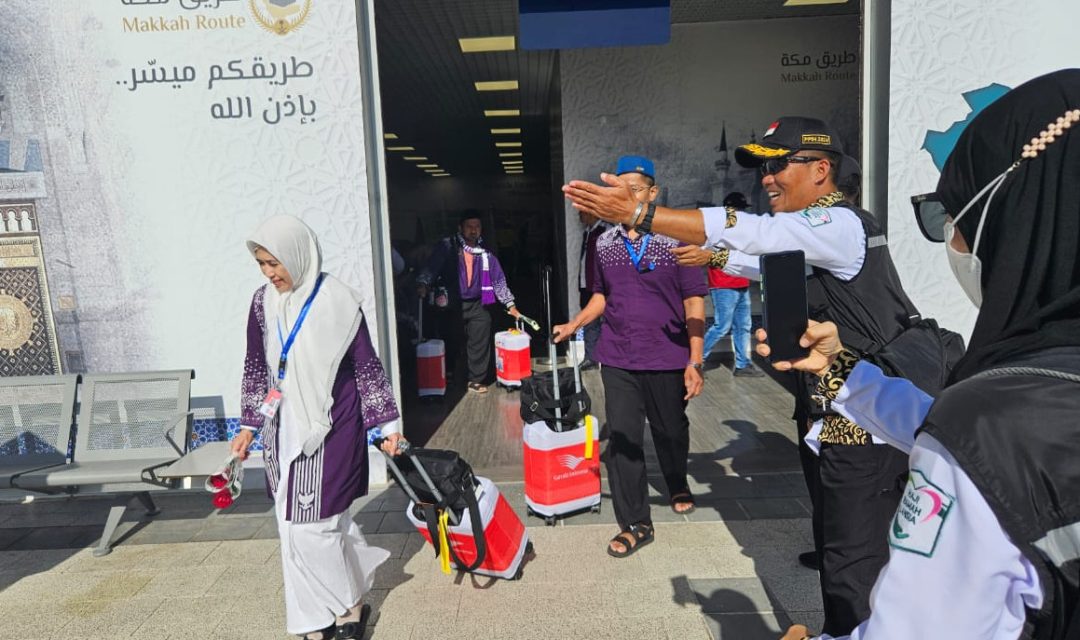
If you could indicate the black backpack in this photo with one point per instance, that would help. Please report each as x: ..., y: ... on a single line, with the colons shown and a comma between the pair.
x: 538, y: 401
x: 454, y: 479
x: 924, y: 353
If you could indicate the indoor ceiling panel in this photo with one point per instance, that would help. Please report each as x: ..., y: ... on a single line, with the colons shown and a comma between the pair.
x: 429, y: 97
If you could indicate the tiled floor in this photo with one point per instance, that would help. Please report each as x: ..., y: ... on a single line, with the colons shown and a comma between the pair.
x: 729, y: 570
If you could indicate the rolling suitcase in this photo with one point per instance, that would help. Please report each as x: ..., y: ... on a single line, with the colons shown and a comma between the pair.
x: 560, y: 440
x: 500, y: 548
x: 430, y: 362
x: 513, y: 361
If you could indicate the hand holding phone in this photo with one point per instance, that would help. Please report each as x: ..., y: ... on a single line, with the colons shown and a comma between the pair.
x: 783, y: 302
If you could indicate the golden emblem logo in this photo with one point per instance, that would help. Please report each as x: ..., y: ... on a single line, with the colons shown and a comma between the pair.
x: 817, y: 138
x: 16, y: 323
x: 280, y: 16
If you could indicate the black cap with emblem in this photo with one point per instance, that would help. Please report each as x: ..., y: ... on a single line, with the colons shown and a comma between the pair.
x: 787, y: 135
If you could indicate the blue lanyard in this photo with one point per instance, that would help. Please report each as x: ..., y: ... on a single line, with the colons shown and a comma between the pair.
x: 286, y: 344
x: 637, y: 257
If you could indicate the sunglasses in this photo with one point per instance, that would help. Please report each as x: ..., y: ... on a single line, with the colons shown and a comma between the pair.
x: 776, y: 165
x: 930, y: 214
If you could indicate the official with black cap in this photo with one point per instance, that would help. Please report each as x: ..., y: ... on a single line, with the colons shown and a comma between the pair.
x: 853, y: 284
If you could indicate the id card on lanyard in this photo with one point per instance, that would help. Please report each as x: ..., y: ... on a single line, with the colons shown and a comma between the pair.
x: 272, y: 401
x: 637, y: 256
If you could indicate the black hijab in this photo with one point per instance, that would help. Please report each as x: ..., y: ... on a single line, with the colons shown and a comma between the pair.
x: 1030, y: 246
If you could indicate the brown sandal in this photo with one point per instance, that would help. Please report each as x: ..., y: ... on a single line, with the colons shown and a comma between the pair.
x: 631, y: 538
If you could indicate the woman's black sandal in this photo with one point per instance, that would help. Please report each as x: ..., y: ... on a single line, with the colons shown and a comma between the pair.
x: 639, y: 535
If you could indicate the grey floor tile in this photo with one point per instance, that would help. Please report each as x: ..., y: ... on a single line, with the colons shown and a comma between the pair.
x: 710, y: 509
x: 395, y: 522
x: 733, y: 595
x: 778, y: 508
x: 747, y: 626
x: 231, y: 529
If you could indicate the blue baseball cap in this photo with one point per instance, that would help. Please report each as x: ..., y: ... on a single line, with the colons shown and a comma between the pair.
x: 636, y: 164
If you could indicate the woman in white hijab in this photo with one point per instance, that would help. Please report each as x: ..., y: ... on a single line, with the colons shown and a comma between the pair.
x: 312, y: 387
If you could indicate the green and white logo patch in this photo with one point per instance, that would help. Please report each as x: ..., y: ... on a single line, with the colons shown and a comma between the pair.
x: 817, y: 216
x: 923, y: 510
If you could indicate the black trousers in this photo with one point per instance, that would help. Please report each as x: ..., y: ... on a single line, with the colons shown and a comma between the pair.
x: 861, y: 487
x: 477, y: 321
x: 630, y: 397
x: 811, y: 468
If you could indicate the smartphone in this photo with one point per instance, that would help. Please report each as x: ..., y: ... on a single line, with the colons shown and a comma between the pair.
x: 783, y: 303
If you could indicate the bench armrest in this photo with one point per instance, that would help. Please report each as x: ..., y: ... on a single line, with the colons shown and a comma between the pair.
x: 170, y: 432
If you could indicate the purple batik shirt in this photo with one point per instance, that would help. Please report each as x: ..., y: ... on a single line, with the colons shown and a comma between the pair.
x: 644, y: 320
x: 363, y: 399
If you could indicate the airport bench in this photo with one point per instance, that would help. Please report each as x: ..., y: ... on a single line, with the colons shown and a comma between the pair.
x: 130, y: 428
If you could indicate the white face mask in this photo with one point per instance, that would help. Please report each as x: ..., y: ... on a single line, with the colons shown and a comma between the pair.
x: 966, y: 266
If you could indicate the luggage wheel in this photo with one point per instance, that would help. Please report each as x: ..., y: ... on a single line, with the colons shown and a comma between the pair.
x: 528, y: 547
x: 594, y: 509
x: 550, y: 520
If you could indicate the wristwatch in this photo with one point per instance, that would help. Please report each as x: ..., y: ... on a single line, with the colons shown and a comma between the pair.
x: 646, y: 222
x: 697, y: 365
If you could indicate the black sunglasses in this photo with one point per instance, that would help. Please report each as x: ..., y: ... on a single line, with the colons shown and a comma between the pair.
x: 930, y: 214
x: 776, y: 165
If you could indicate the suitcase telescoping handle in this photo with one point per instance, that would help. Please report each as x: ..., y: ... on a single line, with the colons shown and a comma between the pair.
x: 406, y: 449
x: 551, y: 348
x: 420, y: 321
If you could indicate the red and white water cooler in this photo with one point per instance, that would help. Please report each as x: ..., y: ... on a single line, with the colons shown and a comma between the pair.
x: 431, y: 368
x: 505, y: 534
x: 512, y: 357
x: 562, y: 470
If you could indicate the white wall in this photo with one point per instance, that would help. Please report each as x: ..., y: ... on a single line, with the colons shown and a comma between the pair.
x: 939, y: 51
x: 151, y: 198
x: 671, y: 102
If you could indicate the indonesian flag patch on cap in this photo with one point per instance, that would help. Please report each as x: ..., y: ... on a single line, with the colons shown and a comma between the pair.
x: 772, y: 129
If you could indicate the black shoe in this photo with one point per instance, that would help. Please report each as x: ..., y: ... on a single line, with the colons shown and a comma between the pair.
x: 749, y: 371
x: 810, y: 560
x: 354, y: 630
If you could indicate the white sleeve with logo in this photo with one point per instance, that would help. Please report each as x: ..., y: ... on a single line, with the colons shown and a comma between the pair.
x: 832, y: 238
x: 952, y: 571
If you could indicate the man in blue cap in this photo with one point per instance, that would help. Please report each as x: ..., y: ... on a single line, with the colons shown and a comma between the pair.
x: 649, y: 352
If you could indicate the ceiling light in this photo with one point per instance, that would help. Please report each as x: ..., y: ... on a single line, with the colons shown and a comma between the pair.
x: 434, y: 170
x: 400, y: 149
x: 498, y: 113
x: 428, y: 166
x: 507, y: 163
x: 505, y: 131
x: 803, y: 3
x: 514, y: 173
x: 480, y: 45
x: 497, y: 85
x: 507, y: 144
x: 440, y: 175
x: 510, y: 154
x: 389, y: 136
x: 414, y: 158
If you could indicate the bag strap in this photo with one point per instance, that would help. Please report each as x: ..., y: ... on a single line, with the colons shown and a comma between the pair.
x: 1028, y: 371
x: 477, y: 529
x: 431, y: 519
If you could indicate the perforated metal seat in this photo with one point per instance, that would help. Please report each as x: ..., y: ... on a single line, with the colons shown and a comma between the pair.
x: 129, y: 426
x: 36, y: 417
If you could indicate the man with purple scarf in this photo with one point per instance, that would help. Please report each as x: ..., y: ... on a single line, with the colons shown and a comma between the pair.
x: 473, y: 280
